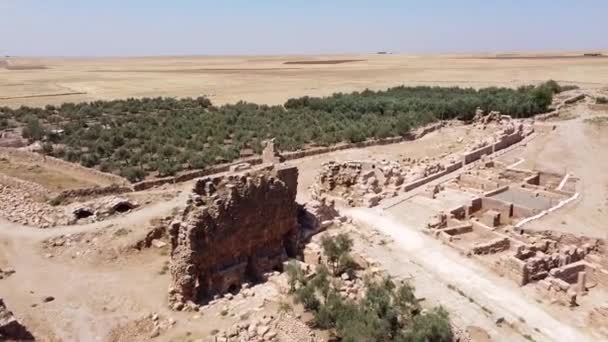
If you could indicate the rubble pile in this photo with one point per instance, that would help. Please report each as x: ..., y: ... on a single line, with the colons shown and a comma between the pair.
x: 359, y: 183
x: 319, y: 214
x: 506, y: 126
x: 264, y: 329
x: 24, y: 204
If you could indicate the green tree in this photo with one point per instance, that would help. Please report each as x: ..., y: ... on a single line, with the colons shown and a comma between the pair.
x: 33, y: 130
x: 337, y: 249
x: 432, y: 326
x: 132, y: 174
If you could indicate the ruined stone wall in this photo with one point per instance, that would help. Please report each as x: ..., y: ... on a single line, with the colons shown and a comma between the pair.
x: 523, y: 212
x: 494, y: 246
x: 449, y: 169
x: 476, y: 154
x: 597, y: 275
x: 507, y: 140
x: 513, y: 268
x: 505, y: 209
x: 237, y: 227
x: 476, y: 182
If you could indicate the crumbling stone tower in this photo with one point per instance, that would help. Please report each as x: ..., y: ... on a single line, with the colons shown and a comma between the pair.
x: 237, y: 227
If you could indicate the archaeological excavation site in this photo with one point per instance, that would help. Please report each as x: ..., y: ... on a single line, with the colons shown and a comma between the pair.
x: 408, y: 214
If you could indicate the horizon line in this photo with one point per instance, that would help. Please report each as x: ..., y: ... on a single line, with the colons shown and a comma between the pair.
x: 292, y: 54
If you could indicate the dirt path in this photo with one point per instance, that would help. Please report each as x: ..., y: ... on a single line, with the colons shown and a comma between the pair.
x: 89, y: 301
x: 485, y: 288
x: 140, y: 216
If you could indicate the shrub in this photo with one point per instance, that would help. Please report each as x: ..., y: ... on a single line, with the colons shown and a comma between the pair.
x: 47, y: 148
x: 33, y: 130
x: 132, y: 174
x: 601, y: 100
x: 306, y: 296
x: 432, y: 326
x: 337, y: 249
x: 295, y: 275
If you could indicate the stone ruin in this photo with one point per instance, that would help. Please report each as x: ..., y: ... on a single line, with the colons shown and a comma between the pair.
x: 271, y: 154
x: 10, y: 328
x: 236, y: 227
x: 359, y: 183
x: 488, y: 227
x: 317, y: 215
x: 100, y: 208
x: 366, y: 183
x: 562, y: 266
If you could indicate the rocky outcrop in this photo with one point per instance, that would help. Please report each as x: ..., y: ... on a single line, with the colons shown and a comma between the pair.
x: 236, y: 227
x: 10, y: 328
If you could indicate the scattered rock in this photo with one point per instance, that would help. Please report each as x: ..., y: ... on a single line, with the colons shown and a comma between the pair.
x: 48, y: 299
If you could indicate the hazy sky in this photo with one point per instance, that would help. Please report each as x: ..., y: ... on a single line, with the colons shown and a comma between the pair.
x: 166, y: 27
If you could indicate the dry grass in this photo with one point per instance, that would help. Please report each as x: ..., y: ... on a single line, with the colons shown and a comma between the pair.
x: 269, y: 80
x: 51, y: 179
x: 598, y: 121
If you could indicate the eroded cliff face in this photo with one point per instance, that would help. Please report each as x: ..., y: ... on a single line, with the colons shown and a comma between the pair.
x: 236, y: 228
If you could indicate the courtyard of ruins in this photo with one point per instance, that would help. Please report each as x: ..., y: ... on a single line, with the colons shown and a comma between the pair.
x: 499, y: 220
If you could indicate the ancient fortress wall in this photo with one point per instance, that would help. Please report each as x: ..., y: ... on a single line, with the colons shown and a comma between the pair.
x: 237, y: 227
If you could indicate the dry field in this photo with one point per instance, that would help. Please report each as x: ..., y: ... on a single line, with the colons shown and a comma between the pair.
x: 274, y: 79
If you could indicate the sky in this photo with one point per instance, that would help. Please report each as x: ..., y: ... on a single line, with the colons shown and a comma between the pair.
x: 259, y: 27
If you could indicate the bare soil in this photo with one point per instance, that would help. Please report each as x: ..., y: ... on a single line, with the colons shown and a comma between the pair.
x: 578, y: 148
x: 267, y: 80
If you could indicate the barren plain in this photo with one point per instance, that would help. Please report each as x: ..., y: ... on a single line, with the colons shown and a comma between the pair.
x: 274, y: 79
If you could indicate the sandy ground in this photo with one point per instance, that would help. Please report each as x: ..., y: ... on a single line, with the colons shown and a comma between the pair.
x: 580, y: 149
x: 267, y: 79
